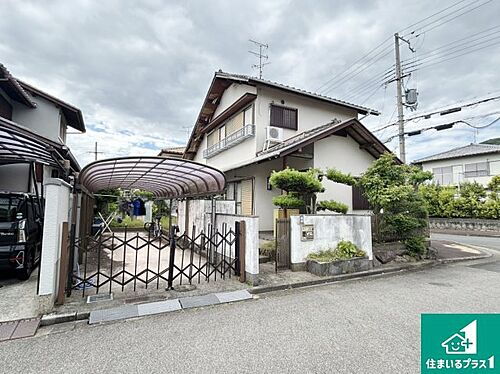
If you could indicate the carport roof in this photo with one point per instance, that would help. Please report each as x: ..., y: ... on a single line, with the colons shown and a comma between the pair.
x: 19, y: 144
x: 163, y: 176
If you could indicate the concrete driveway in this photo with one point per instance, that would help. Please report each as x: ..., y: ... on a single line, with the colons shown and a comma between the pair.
x: 18, y: 298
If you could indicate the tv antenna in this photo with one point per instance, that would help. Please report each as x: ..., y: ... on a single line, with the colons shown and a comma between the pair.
x: 260, y: 55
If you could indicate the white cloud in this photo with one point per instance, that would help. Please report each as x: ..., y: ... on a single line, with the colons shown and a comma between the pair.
x: 139, y: 70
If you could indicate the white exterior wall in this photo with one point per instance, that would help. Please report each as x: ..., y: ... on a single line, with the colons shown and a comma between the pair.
x: 263, y: 204
x: 231, y: 94
x: 458, y: 165
x: 328, y: 231
x: 45, y: 119
x: 343, y: 154
x: 200, y: 212
x: 311, y: 112
x: 251, y: 240
x: 57, y: 195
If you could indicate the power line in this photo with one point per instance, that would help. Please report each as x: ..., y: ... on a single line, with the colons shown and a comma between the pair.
x: 442, y: 111
x: 432, y: 15
x: 369, y: 63
x: 366, y: 61
x: 439, y: 61
x: 441, y: 127
x: 432, y: 58
x: 423, y: 30
x: 455, y: 42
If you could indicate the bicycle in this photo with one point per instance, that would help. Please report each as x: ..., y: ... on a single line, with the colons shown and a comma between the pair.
x: 154, y: 227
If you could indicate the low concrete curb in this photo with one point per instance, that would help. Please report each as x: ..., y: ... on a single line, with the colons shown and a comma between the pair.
x: 363, y: 274
x: 52, y: 319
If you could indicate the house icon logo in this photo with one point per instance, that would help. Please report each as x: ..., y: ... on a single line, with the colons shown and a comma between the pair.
x: 463, y: 342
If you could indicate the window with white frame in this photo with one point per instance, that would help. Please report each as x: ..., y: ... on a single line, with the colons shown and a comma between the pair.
x: 443, y: 176
x: 478, y: 169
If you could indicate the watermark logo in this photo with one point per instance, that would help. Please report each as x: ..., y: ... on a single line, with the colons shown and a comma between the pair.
x: 463, y: 342
x: 460, y: 343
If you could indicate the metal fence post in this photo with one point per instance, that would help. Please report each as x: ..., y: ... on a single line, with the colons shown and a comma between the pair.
x: 173, y: 230
x: 237, y: 247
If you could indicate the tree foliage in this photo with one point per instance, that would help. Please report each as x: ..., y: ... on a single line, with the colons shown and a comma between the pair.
x: 337, y: 176
x: 333, y: 206
x: 301, y: 186
x: 470, y: 200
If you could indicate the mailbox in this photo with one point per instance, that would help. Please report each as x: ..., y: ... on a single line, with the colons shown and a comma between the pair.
x: 307, y: 232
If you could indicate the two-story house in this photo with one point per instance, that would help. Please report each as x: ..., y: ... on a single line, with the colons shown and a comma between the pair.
x: 33, y: 128
x: 470, y: 163
x: 248, y: 127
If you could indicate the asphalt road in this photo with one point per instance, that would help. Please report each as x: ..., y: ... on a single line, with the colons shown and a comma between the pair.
x: 482, y: 241
x: 362, y: 326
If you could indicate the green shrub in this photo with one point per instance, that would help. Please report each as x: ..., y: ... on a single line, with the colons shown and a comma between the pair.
x: 292, y: 180
x: 128, y: 222
x: 416, y: 245
x: 337, y: 176
x: 288, y: 201
x: 333, y: 206
x: 345, y: 250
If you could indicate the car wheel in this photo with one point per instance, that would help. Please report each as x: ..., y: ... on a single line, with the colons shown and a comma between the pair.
x: 25, y: 272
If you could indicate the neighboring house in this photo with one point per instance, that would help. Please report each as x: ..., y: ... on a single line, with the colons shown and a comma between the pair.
x: 38, y: 115
x: 471, y: 163
x: 248, y: 127
x: 175, y: 152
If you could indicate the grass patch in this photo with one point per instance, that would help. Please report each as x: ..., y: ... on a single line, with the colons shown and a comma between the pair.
x: 268, y: 248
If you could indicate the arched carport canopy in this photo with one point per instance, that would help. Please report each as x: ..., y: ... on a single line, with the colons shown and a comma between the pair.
x: 164, y: 177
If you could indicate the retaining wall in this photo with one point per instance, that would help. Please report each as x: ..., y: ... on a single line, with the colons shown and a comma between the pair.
x: 465, y: 224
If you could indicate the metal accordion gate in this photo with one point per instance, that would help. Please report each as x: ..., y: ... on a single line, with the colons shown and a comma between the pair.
x: 283, y: 256
x: 133, y: 259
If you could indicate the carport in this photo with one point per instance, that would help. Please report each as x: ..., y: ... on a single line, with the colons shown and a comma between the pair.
x: 27, y: 162
x: 133, y: 260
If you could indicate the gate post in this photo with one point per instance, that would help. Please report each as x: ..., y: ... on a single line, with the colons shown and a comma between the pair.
x: 170, y: 281
x: 240, y: 249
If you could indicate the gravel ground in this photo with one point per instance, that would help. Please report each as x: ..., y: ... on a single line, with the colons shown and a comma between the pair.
x: 363, y: 326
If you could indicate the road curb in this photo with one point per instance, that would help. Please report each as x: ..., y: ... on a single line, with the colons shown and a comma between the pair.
x: 52, y: 319
x: 364, y: 274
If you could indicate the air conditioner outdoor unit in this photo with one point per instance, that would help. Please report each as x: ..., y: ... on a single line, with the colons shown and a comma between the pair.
x: 274, y: 134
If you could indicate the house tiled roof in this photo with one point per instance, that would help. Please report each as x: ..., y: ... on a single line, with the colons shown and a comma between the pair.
x: 351, y: 127
x: 13, y: 88
x: 179, y: 150
x: 247, y: 78
x: 468, y: 150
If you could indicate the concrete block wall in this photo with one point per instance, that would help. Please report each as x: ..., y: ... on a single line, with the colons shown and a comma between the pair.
x: 465, y: 224
x: 328, y: 231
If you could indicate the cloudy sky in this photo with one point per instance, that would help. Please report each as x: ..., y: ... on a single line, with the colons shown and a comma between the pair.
x: 139, y: 70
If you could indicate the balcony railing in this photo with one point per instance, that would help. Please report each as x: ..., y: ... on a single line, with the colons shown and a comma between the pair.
x: 229, y: 141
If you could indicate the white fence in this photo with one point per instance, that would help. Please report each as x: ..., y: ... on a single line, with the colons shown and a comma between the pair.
x: 328, y: 230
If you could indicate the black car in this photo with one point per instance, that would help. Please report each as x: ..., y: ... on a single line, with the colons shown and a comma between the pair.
x: 21, y: 227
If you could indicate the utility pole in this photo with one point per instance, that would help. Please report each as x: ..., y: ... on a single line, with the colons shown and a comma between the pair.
x: 401, y: 118
x: 95, y: 152
x: 260, y: 55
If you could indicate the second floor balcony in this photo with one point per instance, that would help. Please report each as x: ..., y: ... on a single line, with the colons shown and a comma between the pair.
x: 230, y: 141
